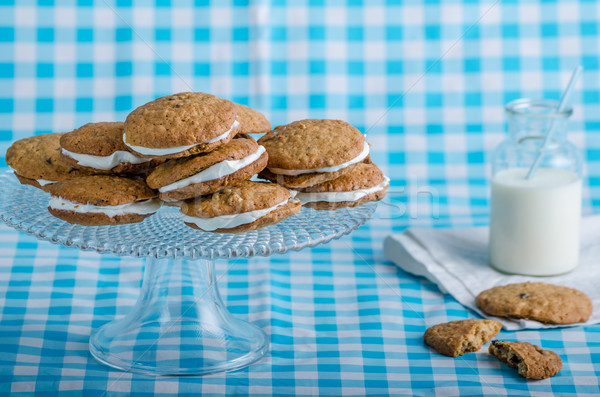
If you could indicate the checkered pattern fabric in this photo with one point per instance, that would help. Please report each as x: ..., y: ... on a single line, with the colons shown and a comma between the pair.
x: 426, y: 81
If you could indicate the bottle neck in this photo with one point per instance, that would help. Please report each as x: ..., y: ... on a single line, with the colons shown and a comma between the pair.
x: 530, y: 120
x: 537, y: 138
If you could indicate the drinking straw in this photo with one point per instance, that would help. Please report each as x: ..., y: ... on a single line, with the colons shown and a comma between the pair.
x: 561, y: 107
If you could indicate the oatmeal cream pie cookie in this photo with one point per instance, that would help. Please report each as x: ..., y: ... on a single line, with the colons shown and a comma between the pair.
x: 251, y: 121
x: 308, y: 152
x: 102, y: 200
x: 189, y: 177
x: 363, y: 184
x: 99, y: 147
x: 531, y: 361
x: 180, y: 125
x: 241, y: 208
x: 38, y: 161
x: 546, y: 303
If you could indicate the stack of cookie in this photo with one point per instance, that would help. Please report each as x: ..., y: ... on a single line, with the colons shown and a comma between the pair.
x: 208, y: 159
x: 193, y: 150
x: 326, y: 161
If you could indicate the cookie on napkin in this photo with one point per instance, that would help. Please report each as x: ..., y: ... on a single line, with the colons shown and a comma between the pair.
x: 546, y: 303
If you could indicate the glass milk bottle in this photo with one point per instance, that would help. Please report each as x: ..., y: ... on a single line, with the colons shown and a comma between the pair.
x: 534, y: 223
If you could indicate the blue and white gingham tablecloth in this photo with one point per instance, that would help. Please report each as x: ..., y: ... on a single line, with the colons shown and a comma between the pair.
x: 426, y: 81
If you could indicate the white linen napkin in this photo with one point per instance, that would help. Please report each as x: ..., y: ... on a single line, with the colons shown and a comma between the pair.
x: 457, y: 261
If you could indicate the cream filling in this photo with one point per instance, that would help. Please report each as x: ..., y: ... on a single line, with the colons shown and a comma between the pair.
x: 105, y: 162
x: 137, y: 207
x: 215, y: 171
x: 44, y: 182
x: 231, y: 221
x: 336, y: 197
x: 146, y: 151
x: 357, y: 159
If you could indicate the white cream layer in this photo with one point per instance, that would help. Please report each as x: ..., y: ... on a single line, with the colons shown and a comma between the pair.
x: 357, y: 159
x: 146, y: 151
x: 137, y: 207
x: 231, y: 221
x: 44, y: 182
x: 105, y: 162
x: 336, y: 197
x: 215, y: 171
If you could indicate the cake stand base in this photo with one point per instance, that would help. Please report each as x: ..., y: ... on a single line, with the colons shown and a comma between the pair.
x: 178, y: 326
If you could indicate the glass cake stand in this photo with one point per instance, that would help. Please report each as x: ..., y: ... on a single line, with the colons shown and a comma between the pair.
x: 179, y: 324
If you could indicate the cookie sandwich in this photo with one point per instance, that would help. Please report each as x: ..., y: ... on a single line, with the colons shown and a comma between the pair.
x: 308, y: 152
x: 189, y: 177
x: 241, y: 208
x: 251, y: 121
x: 102, y: 200
x: 38, y: 161
x: 364, y: 183
x: 99, y: 147
x: 180, y: 125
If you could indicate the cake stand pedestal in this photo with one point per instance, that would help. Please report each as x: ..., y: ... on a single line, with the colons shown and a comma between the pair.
x: 179, y: 325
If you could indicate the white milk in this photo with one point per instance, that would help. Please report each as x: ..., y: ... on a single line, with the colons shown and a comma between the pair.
x: 534, y: 224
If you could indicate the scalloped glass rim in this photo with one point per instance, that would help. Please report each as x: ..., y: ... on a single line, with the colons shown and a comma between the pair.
x: 164, y: 235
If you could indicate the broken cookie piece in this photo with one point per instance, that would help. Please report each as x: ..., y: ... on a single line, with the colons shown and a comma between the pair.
x: 531, y: 361
x: 459, y: 337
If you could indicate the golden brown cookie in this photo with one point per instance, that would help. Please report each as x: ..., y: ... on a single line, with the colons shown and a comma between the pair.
x: 307, y: 152
x: 304, y: 180
x: 189, y: 177
x: 251, y: 121
x: 102, y: 200
x: 547, y: 303
x: 531, y: 361
x: 180, y: 125
x: 364, y: 183
x: 38, y: 161
x: 99, y: 148
x: 459, y: 337
x: 241, y: 208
